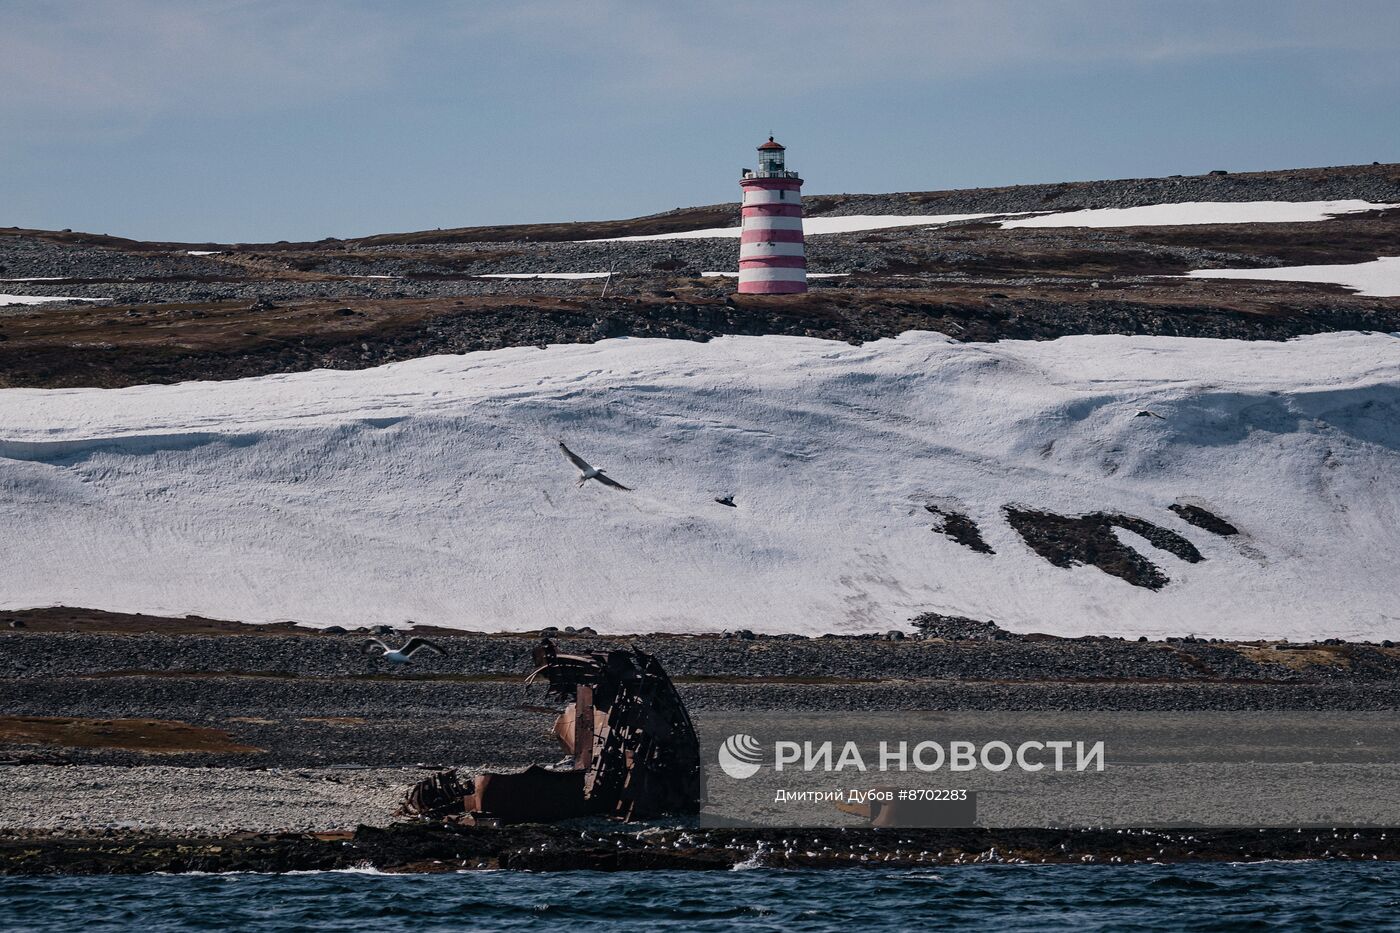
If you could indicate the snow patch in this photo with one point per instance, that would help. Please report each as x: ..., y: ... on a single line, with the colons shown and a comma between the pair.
x: 545, y: 275
x: 38, y: 299
x: 433, y: 489
x: 1201, y: 212
x: 810, y: 275
x: 1379, y: 278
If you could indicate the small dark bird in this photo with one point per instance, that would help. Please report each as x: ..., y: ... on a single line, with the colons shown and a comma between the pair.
x: 726, y: 500
x: 589, y: 472
x: 1144, y: 413
x: 401, y: 655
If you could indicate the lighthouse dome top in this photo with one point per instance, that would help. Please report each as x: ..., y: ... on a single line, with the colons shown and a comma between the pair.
x: 772, y: 158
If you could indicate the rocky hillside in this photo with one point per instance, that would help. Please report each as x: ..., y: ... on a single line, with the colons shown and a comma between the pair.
x: 163, y: 312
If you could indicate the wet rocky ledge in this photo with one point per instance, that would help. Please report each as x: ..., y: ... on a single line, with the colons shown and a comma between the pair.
x: 438, y: 848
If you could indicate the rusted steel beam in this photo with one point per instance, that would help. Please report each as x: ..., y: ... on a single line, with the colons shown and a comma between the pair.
x: 583, y: 727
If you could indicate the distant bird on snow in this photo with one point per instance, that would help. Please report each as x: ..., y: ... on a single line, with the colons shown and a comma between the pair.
x: 590, y: 472
x: 1144, y: 413
x: 401, y: 655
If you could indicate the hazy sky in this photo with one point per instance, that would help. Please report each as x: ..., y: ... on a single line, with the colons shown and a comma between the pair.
x: 298, y: 119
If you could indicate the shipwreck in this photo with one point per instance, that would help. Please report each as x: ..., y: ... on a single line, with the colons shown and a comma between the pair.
x: 632, y: 750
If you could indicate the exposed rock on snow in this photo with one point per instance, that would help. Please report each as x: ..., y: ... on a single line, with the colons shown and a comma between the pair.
x: 432, y: 490
x: 959, y: 527
x: 1203, y: 518
x: 1070, y: 541
x: 957, y: 628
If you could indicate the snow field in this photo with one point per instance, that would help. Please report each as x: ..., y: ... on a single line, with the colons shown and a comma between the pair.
x: 433, y: 490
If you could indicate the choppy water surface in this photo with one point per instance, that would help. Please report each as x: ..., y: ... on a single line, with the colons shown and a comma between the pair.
x: 1320, y: 896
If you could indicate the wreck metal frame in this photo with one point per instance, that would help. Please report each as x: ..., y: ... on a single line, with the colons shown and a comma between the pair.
x: 635, y: 754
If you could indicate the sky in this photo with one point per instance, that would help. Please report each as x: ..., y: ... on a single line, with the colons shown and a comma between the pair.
x: 262, y: 120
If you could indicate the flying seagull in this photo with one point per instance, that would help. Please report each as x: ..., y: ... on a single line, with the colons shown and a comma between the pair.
x: 590, y: 472
x: 401, y: 655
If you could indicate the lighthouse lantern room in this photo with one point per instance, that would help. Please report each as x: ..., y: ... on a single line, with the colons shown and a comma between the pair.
x: 771, y: 257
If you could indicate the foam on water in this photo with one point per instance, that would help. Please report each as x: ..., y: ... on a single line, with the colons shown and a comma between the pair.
x: 1316, y: 895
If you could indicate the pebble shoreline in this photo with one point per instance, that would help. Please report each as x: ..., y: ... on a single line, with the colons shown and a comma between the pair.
x: 338, y: 736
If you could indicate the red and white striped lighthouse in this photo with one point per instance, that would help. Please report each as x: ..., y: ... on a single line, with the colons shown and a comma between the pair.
x: 771, y: 258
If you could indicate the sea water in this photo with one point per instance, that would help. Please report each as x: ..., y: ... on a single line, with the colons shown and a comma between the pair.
x: 1279, y: 895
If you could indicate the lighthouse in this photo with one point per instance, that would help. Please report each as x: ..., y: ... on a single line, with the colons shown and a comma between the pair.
x: 771, y: 259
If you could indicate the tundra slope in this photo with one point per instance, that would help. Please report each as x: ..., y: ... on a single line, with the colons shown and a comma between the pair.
x: 238, y: 310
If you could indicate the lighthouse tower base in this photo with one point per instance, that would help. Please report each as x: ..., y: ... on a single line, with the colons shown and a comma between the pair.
x: 772, y: 259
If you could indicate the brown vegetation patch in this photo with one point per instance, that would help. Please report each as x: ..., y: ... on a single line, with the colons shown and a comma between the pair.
x: 1024, y: 252
x: 1299, y: 658
x: 158, y: 736
x: 454, y: 262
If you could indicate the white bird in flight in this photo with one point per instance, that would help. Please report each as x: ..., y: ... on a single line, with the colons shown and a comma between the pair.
x: 401, y: 655
x: 590, y: 472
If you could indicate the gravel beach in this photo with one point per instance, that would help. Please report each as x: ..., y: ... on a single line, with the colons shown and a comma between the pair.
x: 160, y: 798
x: 300, y: 731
